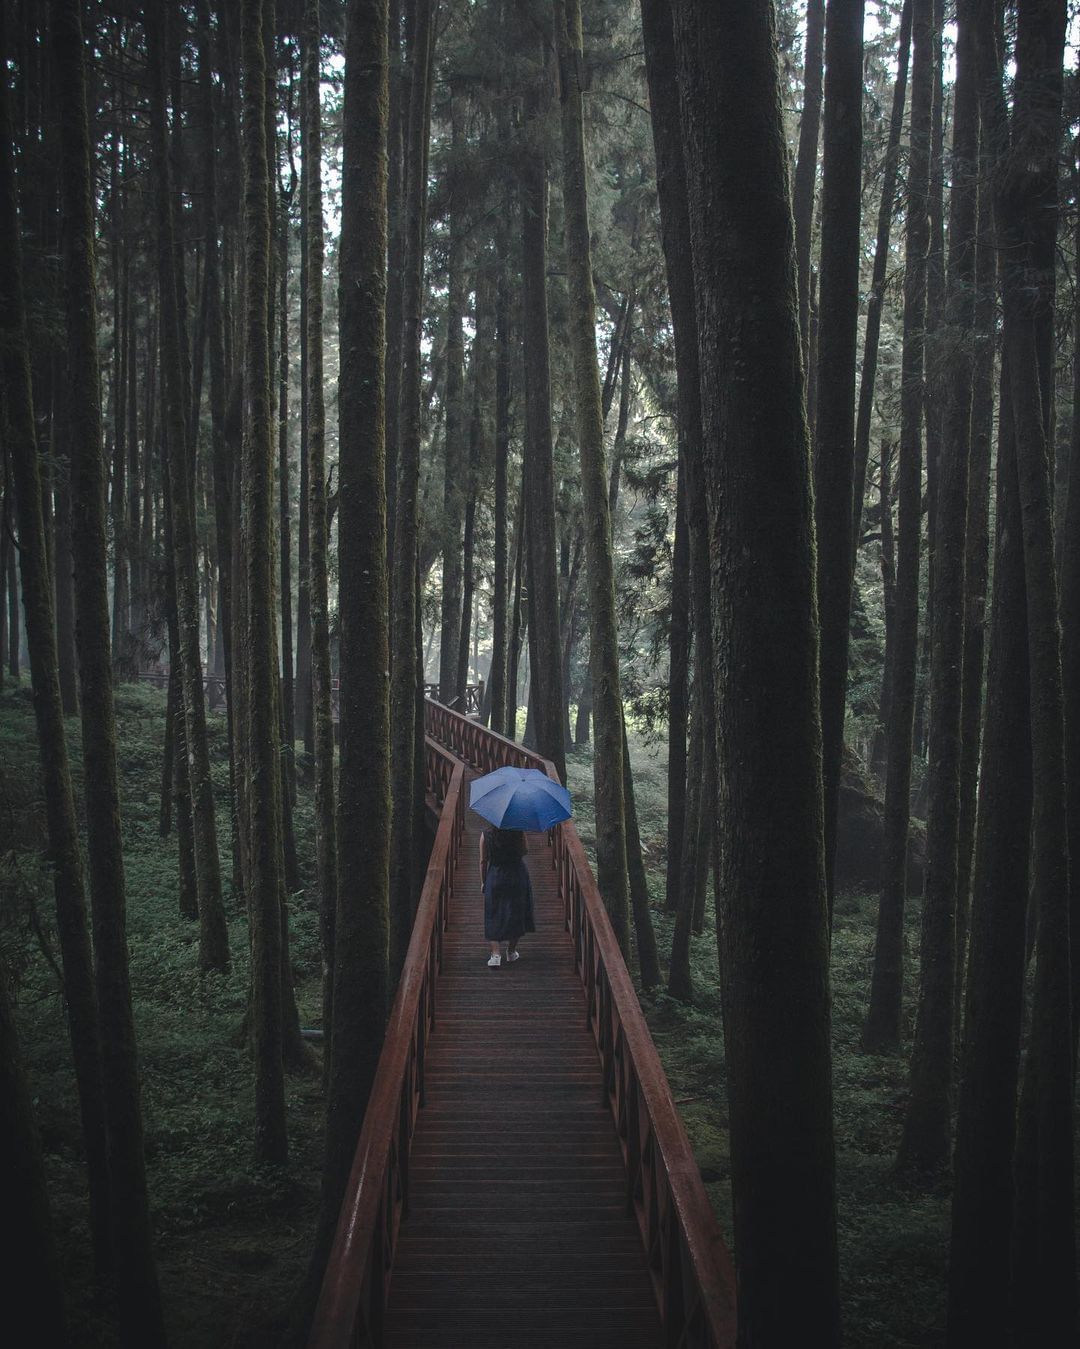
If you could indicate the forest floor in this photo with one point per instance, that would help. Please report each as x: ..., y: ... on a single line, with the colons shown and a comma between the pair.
x: 231, y: 1239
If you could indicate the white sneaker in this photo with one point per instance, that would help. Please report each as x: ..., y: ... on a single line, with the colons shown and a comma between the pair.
x: 514, y: 955
x: 495, y: 959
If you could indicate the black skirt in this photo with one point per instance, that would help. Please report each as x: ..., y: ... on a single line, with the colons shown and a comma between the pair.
x: 508, y: 901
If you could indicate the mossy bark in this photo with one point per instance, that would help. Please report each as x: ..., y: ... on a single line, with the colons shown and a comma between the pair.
x: 263, y: 737
x: 363, y: 901
x: 542, y: 579
x: 882, y: 1028
x: 138, y: 1299
x: 837, y: 341
x: 405, y: 671
x: 773, y: 930
x: 925, y: 1146
x: 325, y: 830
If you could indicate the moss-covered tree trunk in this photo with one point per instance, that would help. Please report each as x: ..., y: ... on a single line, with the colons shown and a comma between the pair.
x: 263, y: 737
x: 837, y: 340
x: 362, y: 932
x: 882, y: 1028
x: 64, y: 856
x: 454, y: 419
x: 774, y: 939
x: 675, y: 236
x: 542, y: 581
x: 325, y: 838
x: 875, y: 299
x: 1026, y: 154
x: 138, y: 1297
x: 804, y: 182
x: 213, y: 934
x: 405, y: 672
x: 925, y: 1146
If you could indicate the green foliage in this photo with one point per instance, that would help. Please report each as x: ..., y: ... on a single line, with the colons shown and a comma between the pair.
x: 893, y: 1241
x: 232, y: 1241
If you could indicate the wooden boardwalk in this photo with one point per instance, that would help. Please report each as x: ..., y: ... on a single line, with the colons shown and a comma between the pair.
x: 518, y: 1231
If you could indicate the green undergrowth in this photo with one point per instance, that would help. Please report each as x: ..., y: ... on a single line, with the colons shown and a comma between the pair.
x: 232, y: 1240
x: 892, y: 1239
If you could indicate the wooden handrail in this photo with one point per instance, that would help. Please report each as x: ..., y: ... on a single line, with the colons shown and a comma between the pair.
x: 692, y: 1273
x: 354, y: 1290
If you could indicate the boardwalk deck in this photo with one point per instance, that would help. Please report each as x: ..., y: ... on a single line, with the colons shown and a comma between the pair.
x: 518, y: 1231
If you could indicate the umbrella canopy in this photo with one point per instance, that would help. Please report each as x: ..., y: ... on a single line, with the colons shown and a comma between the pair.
x: 520, y: 798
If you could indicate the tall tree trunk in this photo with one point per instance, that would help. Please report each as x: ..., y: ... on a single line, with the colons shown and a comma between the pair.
x: 454, y: 420
x: 545, y: 694
x: 608, y: 770
x: 769, y: 826
x: 678, y: 686
x: 213, y: 934
x: 976, y: 564
x: 1070, y: 648
x: 138, y: 1301
x: 882, y: 1028
x: 886, y: 209
x: 804, y: 186
x: 1025, y: 214
x: 834, y: 463
x: 644, y: 935
x: 675, y: 233
x: 63, y: 581
x: 360, y: 952
x: 405, y: 676
x: 982, y: 1202
x: 64, y: 855
x: 325, y: 838
x: 263, y: 736
x: 288, y: 714
x: 497, y: 680
x: 924, y: 1147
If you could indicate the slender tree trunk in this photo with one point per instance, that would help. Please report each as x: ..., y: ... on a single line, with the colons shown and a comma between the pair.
x: 497, y: 680
x: 514, y: 654
x: 63, y: 582
x: 678, y: 687
x: 213, y: 934
x: 263, y: 737
x: 976, y: 565
x: 685, y: 847
x: 982, y: 1204
x: 325, y: 838
x: 545, y: 695
x: 405, y: 675
x: 1070, y: 649
x: 1025, y: 194
x: 454, y: 420
x: 675, y: 233
x: 882, y: 1029
x: 360, y: 952
x: 804, y: 186
x: 876, y: 297
x: 925, y: 1144
x: 138, y: 1296
x: 608, y: 770
x: 64, y: 856
x: 834, y: 464
x: 644, y: 935
x: 288, y: 715
x: 769, y: 826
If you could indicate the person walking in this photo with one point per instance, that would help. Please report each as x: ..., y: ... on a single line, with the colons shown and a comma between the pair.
x: 507, y: 890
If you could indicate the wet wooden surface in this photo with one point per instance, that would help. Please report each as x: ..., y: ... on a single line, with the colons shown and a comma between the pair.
x: 518, y: 1233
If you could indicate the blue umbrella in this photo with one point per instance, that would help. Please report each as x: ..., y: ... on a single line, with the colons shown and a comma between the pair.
x: 520, y: 798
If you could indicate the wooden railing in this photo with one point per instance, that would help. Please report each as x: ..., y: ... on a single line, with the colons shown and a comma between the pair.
x: 353, y: 1297
x: 472, y: 698
x: 690, y: 1265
